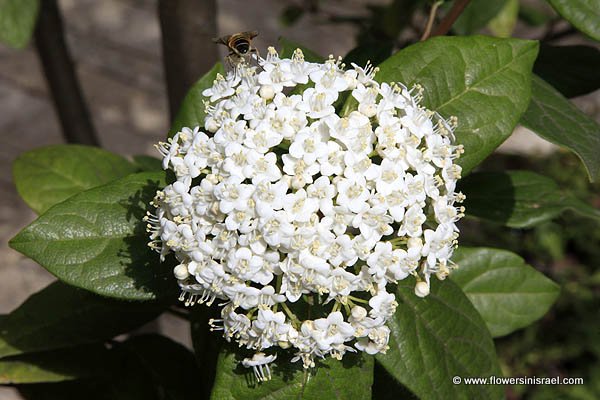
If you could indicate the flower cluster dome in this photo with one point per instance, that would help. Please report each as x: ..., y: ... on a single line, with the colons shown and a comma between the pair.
x: 298, y: 218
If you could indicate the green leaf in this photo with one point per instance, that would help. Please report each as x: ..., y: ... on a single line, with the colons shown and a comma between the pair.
x: 61, y: 316
x: 508, y: 293
x: 436, y: 338
x: 170, y: 366
x: 533, y: 16
x: 503, y: 24
x: 147, y: 163
x: 519, y: 199
x: 287, y: 48
x: 559, y: 121
x: 582, y: 14
x: 483, y: 81
x: 386, y: 387
x: 133, y: 385
x: 572, y: 70
x: 375, y: 52
x: 350, y: 379
x: 17, y: 20
x: 143, y: 367
x: 191, y: 113
x: 97, y: 240
x: 476, y: 15
x: 56, y: 366
x: 50, y: 175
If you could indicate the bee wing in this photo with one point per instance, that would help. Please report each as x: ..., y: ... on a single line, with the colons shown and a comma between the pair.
x: 221, y: 40
x: 250, y: 34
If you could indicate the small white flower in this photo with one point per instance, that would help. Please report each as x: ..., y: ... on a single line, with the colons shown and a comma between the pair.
x: 260, y: 364
x: 317, y: 104
x: 332, y: 330
x: 221, y: 88
x: 308, y: 145
x: 383, y: 305
x: 353, y: 193
x: 300, y: 206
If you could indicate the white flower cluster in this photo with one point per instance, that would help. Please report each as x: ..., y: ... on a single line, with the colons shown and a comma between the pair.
x: 298, y: 218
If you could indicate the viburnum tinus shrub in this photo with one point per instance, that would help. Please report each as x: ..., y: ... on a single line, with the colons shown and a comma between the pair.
x: 312, y: 207
x: 289, y: 205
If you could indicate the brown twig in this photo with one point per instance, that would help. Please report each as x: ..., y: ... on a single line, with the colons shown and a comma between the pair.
x: 61, y: 77
x: 188, y: 52
x: 447, y: 22
x: 431, y: 19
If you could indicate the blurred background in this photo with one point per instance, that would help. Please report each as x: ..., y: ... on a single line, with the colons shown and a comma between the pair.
x: 117, y: 52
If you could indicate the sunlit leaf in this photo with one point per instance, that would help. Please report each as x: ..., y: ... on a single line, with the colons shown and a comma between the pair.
x: 49, y: 175
x: 97, y: 240
x: 508, y: 293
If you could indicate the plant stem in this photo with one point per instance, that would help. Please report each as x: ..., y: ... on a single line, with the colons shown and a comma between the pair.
x: 61, y: 77
x: 188, y: 52
x: 447, y: 22
x: 430, y: 20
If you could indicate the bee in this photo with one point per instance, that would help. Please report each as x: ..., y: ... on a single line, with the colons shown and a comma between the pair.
x: 240, y: 47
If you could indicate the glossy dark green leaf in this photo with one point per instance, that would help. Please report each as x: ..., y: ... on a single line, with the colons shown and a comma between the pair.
x: 519, y: 199
x: 476, y: 15
x: 97, y: 240
x: 17, y: 20
x: 147, y: 163
x: 287, y: 48
x: 49, y: 175
x: 171, y: 367
x: 374, y: 52
x: 57, y: 365
x: 131, y: 386
x: 61, y: 316
x: 386, y: 387
x: 557, y: 120
x: 436, y: 338
x: 349, y: 379
x: 572, y: 70
x: 147, y: 367
x: 508, y: 293
x: 483, y: 81
x: 192, y: 113
x: 583, y: 14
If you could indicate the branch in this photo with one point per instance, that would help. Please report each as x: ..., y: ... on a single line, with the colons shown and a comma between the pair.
x: 61, y: 77
x: 188, y: 51
x: 450, y: 18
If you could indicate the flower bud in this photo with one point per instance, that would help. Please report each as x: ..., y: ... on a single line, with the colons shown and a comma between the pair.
x: 422, y: 289
x: 181, y: 272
